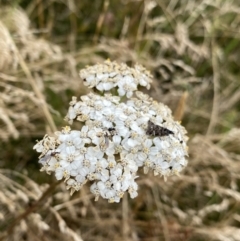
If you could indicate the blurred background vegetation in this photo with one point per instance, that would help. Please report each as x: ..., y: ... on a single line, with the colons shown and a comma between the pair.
x: 192, y: 48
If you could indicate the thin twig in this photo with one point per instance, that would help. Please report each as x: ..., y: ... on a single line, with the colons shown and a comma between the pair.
x: 161, y: 215
x: 101, y: 20
x: 36, y: 90
x: 179, y: 112
x: 214, y: 113
x: 125, y: 213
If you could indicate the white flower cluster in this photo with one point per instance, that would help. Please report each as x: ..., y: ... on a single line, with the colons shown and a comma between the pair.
x: 117, y: 138
x: 110, y: 75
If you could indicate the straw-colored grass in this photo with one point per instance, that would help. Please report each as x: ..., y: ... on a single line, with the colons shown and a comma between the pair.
x: 192, y: 48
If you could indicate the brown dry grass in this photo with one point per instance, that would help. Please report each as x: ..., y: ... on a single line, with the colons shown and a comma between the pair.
x: 192, y: 49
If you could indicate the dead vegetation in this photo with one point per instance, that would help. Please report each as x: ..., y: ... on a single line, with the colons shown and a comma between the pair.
x: 192, y: 50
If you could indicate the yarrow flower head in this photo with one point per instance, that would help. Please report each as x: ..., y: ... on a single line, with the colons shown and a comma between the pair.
x: 117, y: 137
x: 110, y: 75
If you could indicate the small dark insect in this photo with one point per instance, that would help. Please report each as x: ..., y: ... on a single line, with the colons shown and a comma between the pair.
x: 155, y: 130
x: 106, y: 135
x: 54, y: 153
x: 48, y: 157
x: 112, y: 130
x: 107, y: 132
